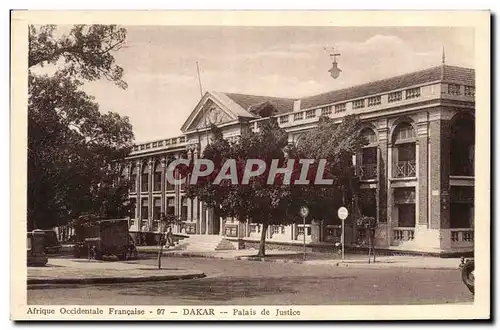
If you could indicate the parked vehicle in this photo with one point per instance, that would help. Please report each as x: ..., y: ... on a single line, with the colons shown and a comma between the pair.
x: 107, y: 238
x: 467, y: 270
x: 52, y: 244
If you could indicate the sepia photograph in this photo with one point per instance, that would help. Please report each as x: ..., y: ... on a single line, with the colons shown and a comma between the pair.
x: 252, y: 170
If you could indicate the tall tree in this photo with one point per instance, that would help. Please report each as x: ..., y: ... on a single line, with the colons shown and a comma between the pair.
x: 74, y: 148
x: 336, y: 143
x: 257, y: 201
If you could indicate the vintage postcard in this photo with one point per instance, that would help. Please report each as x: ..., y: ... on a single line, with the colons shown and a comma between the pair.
x: 250, y: 165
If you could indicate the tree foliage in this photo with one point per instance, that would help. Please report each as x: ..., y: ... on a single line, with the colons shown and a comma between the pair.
x: 336, y: 143
x: 74, y: 148
x: 257, y: 201
x: 279, y: 202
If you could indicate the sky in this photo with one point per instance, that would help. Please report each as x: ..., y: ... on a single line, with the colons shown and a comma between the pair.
x: 163, y: 88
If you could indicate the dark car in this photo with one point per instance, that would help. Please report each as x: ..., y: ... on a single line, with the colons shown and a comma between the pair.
x: 52, y: 244
x: 82, y: 249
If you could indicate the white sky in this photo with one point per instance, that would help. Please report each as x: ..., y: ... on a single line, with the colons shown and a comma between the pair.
x: 160, y: 65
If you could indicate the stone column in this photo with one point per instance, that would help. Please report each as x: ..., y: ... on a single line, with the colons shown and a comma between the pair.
x: 221, y: 226
x: 382, y: 174
x: 390, y: 194
x: 138, y: 200
x: 422, y: 170
x: 439, y: 199
x: 203, y: 218
x: 150, y: 194
x: 163, y: 178
x: 195, y: 202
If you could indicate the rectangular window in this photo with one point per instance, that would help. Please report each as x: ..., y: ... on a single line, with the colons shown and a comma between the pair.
x: 358, y: 104
x: 461, y: 215
x: 326, y: 111
x: 133, y: 183
x: 374, y: 100
x: 184, y: 209
x: 283, y: 119
x: 453, y: 89
x: 169, y: 186
x: 395, y: 96
x: 406, y: 215
x: 145, y: 182
x: 133, y: 206
x: 156, y: 209
x: 157, y: 181
x: 144, y: 209
x: 470, y: 91
x: 340, y: 107
x: 298, y: 116
x: 171, y: 205
x: 310, y: 114
x: 406, y: 152
x: 413, y: 93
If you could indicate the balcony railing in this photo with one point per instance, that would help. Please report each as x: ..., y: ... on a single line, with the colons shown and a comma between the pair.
x: 405, y: 169
x: 367, y: 171
x: 403, y: 234
x: 462, y: 235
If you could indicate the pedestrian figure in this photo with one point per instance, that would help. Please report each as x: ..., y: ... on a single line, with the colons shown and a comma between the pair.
x: 170, y: 238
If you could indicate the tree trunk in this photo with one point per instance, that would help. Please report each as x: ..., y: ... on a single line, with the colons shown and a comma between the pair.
x: 160, y: 253
x: 262, y: 244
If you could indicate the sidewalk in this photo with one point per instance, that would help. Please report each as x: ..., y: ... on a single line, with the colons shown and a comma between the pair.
x: 313, y: 258
x: 82, y: 271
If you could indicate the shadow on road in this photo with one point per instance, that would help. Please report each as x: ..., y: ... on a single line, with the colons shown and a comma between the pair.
x: 227, y: 288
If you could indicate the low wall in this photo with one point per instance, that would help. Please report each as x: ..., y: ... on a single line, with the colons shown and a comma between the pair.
x: 331, y: 248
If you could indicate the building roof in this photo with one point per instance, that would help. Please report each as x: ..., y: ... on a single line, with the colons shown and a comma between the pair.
x: 450, y: 73
x: 253, y: 102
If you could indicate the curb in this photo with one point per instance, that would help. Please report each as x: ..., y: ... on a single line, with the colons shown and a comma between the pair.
x: 378, y: 265
x: 384, y: 266
x: 113, y: 280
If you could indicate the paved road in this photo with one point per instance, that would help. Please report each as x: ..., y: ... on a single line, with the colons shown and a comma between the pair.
x: 237, y: 282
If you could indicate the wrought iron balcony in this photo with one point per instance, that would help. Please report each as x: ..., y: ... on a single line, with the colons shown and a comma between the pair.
x: 367, y: 171
x: 405, y: 169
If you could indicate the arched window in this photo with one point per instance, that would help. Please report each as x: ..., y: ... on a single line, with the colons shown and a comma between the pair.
x: 145, y: 177
x: 462, y: 146
x: 404, y: 151
x: 169, y: 186
x: 367, y: 158
x: 369, y: 135
x: 133, y: 179
x: 157, y: 176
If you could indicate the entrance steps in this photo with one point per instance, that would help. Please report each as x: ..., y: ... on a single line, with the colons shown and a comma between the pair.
x: 205, y: 243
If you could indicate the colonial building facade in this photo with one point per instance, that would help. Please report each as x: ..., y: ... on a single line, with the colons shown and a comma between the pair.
x: 416, y: 174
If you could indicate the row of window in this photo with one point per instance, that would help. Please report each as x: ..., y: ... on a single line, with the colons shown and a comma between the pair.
x: 170, y: 209
x: 461, y: 210
x: 157, y: 180
x: 356, y: 104
x: 454, y: 89
x: 161, y: 143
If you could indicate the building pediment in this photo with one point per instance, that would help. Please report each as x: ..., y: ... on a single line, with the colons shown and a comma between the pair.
x: 210, y: 114
x: 214, y: 108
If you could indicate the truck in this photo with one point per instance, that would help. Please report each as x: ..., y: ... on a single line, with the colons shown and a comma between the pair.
x: 106, y: 238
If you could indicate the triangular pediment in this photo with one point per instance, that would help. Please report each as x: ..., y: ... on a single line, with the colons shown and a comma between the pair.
x: 210, y: 114
x: 214, y: 108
